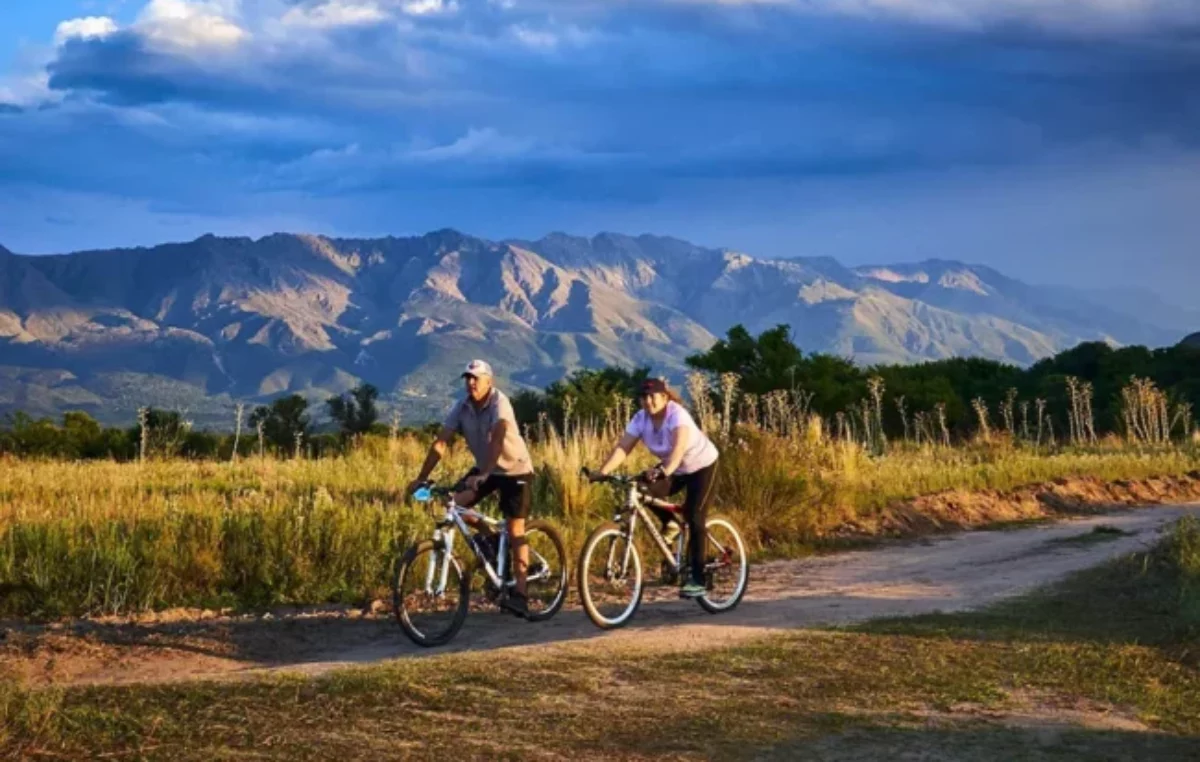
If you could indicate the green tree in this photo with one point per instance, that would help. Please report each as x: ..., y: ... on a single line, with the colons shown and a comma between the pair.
x: 765, y: 363
x: 528, y: 405
x: 283, y: 421
x: 355, y: 412
x: 592, y: 393
x: 34, y: 437
x: 84, y: 435
x: 166, y: 431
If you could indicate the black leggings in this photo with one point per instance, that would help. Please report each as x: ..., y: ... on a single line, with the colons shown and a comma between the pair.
x: 699, y: 488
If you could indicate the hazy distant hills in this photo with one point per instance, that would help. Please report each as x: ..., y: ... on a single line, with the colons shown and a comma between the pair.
x: 194, y: 326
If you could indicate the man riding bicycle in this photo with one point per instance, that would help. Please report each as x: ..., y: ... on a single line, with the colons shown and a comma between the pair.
x: 485, y: 418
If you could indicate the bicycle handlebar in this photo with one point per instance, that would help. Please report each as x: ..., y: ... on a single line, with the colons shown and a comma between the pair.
x: 430, y: 491
x: 618, y: 479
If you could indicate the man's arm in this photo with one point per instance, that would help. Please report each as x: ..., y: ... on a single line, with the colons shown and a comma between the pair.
x: 437, y: 451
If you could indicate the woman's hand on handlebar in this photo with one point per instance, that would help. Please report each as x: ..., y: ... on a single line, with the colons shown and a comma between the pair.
x: 651, y: 475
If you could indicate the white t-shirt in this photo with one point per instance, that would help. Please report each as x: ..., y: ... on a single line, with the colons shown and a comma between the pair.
x: 701, y: 452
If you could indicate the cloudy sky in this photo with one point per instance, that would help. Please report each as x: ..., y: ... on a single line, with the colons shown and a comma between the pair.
x: 1053, y: 139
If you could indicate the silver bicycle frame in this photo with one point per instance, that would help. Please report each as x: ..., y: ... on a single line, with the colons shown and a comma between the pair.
x: 456, y: 513
x: 444, y: 540
x: 637, y: 503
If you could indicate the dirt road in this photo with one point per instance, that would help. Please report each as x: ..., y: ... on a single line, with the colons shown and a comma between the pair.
x: 946, y: 573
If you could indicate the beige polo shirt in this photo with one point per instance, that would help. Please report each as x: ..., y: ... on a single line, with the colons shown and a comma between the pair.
x: 475, y: 425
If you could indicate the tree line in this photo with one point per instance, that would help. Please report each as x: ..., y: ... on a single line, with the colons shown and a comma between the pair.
x: 284, y: 427
x: 1091, y: 380
x: 1076, y: 395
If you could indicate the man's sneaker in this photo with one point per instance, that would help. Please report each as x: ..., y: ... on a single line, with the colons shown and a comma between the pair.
x: 692, y: 589
x: 516, y: 603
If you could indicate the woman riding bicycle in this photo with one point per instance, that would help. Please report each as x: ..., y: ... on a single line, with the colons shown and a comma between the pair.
x: 687, y: 462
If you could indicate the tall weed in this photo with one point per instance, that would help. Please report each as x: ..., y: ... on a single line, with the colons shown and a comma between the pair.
x: 111, y: 538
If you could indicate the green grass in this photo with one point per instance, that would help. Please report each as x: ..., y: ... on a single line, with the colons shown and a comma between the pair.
x: 1118, y: 639
x: 110, y: 538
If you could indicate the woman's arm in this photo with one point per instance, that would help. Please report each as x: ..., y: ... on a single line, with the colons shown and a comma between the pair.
x: 680, y: 439
x: 623, y: 448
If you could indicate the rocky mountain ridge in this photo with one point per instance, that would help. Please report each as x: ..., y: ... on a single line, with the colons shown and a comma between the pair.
x: 197, y: 325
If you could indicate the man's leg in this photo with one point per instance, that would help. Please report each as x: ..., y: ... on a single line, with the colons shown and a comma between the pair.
x: 515, y: 497
x: 467, y: 498
x: 516, y: 535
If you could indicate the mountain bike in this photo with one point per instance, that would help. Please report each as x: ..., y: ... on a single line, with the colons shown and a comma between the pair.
x: 611, y: 579
x: 432, y: 586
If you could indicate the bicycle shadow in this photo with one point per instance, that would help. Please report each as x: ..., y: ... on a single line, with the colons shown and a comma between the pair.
x: 658, y: 625
x: 315, y: 642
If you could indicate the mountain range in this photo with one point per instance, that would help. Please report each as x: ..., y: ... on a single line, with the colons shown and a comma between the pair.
x: 197, y: 326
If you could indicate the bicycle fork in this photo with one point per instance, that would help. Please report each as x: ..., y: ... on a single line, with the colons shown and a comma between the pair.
x: 439, y: 566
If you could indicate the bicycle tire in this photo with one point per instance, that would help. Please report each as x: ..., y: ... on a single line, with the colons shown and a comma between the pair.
x: 609, y: 529
x: 403, y: 566
x: 555, y: 538
x: 744, y: 573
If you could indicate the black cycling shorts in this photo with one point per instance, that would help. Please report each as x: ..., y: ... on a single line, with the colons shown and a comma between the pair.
x: 515, y: 493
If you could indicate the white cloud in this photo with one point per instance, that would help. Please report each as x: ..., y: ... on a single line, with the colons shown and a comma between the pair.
x: 485, y: 143
x: 427, y: 7
x: 334, y: 13
x: 550, y: 36
x: 27, y: 90
x: 90, y: 27
x: 534, y: 38
x: 191, y: 24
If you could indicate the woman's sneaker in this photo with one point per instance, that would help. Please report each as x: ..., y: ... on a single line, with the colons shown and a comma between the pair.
x: 692, y: 589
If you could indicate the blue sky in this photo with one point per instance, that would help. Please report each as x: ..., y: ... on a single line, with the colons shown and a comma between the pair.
x: 1053, y: 139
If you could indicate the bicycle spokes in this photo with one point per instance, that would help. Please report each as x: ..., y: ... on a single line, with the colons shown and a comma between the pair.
x: 611, y: 577
x: 429, y: 593
x: 546, y: 575
x: 726, y: 566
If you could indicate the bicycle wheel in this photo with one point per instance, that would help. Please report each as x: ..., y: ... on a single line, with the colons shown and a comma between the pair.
x: 546, y: 580
x: 727, y: 570
x: 430, y: 594
x: 610, y: 589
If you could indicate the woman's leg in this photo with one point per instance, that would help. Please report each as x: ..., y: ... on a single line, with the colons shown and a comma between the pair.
x: 695, y: 505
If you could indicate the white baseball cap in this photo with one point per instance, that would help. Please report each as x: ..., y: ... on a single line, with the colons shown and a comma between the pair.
x: 478, y: 368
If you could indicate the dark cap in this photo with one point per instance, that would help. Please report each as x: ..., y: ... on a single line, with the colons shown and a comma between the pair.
x: 653, y: 386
